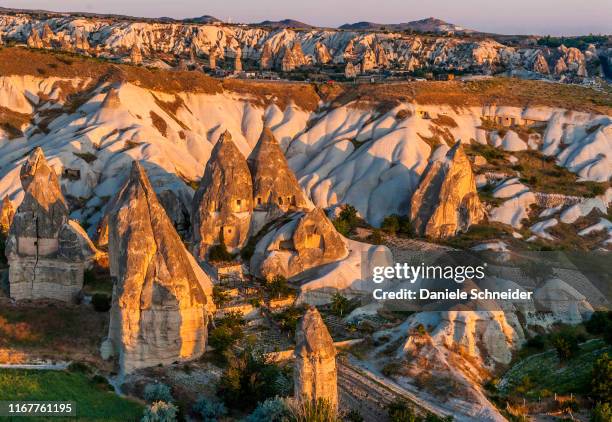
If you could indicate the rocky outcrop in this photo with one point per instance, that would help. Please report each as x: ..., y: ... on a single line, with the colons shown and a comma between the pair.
x: 293, y: 57
x: 162, y: 298
x: 7, y: 212
x: 47, y: 253
x: 275, y: 187
x: 350, y: 71
x: 223, y: 203
x: 315, y: 374
x: 446, y: 200
x: 135, y: 55
x: 34, y: 40
x: 563, y: 302
x: 322, y: 54
x: 266, y: 61
x: 368, y: 61
x: 238, y: 60
x: 307, y: 240
x: 540, y: 65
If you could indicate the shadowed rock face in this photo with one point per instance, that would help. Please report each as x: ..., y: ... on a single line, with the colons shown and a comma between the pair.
x: 446, y: 200
x: 306, y: 241
x: 47, y: 253
x: 315, y: 373
x: 223, y: 202
x: 7, y: 212
x: 161, y: 300
x: 275, y: 187
x: 43, y: 210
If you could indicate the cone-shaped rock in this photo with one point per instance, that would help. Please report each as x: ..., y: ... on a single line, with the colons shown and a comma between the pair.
x: 161, y: 300
x: 315, y: 373
x: 223, y: 203
x: 275, y: 187
x: 306, y: 241
x: 47, y: 253
x: 7, y: 212
x: 446, y: 200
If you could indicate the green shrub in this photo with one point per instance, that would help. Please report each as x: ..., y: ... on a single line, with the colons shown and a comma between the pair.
x: 209, y: 410
x: 600, y: 323
x: 347, y: 220
x: 601, y: 382
x: 340, y: 305
x: 271, y: 410
x: 353, y: 416
x: 160, y: 412
x: 101, y: 302
x: 391, y: 224
x: 278, y: 287
x: 376, y: 237
x: 311, y: 411
x: 602, y: 413
x: 219, y: 253
x: 158, y: 393
x: 248, y: 379
x: 401, y: 411
x: 565, y: 343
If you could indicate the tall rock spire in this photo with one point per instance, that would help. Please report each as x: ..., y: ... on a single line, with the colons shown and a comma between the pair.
x: 162, y: 298
x: 275, y: 187
x: 47, y: 252
x: 446, y: 200
x: 223, y: 203
x: 315, y: 374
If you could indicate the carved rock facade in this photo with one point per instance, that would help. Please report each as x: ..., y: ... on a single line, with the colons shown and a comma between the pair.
x: 47, y: 253
x: 306, y: 241
x: 223, y: 202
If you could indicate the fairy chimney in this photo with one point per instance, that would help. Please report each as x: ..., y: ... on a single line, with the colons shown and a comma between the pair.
x: 223, y: 203
x: 161, y: 298
x: 446, y: 201
x: 315, y: 374
x: 47, y: 252
x: 275, y: 188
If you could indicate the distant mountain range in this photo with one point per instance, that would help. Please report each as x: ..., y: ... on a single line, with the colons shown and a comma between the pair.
x: 423, y: 25
x: 285, y: 23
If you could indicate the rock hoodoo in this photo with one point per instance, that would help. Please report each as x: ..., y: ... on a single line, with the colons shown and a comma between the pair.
x: 315, y: 373
x: 306, y: 241
x: 446, y: 200
x: 7, y: 212
x: 275, y: 187
x: 47, y: 252
x: 223, y: 203
x: 162, y: 298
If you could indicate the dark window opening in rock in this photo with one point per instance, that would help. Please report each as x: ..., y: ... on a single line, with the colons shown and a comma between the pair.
x: 293, y: 200
x: 286, y: 245
x: 239, y: 202
x: 259, y: 201
x: 72, y: 174
x: 280, y: 200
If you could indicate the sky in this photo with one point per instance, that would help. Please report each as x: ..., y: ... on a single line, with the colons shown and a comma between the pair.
x: 543, y: 17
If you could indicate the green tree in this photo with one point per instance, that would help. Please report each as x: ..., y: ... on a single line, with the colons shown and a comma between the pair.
x: 565, y: 343
x: 401, y: 411
x: 340, y: 305
x: 391, y: 224
x: 602, y: 413
x: 601, y: 380
x: 278, y: 287
x: 160, y: 412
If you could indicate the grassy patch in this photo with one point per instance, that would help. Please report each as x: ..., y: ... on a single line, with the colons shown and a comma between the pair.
x: 478, y: 233
x: 93, y: 401
x: 532, y: 376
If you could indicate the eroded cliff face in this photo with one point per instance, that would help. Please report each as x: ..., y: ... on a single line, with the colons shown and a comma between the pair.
x: 161, y: 300
x: 223, y: 203
x: 275, y: 187
x: 307, y: 240
x: 315, y: 373
x: 446, y: 200
x: 47, y: 252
